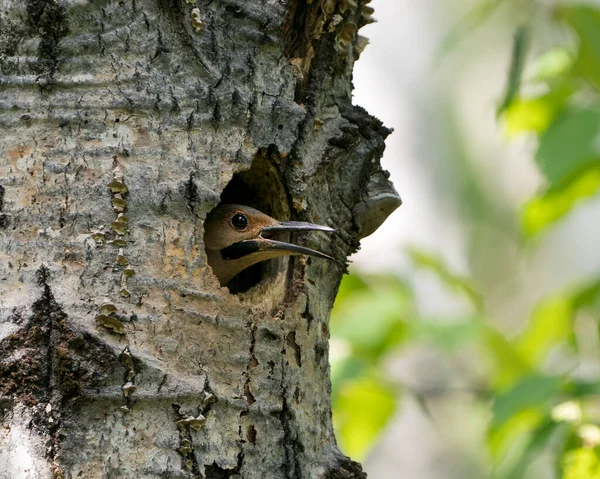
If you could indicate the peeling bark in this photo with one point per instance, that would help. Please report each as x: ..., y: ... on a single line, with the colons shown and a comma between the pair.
x: 123, y: 123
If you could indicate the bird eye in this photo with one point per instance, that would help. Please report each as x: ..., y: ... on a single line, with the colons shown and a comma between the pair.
x: 239, y: 221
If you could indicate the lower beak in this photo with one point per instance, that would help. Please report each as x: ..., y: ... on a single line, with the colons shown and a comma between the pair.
x: 273, y: 245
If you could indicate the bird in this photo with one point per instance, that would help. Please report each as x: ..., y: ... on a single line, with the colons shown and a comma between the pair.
x: 237, y: 237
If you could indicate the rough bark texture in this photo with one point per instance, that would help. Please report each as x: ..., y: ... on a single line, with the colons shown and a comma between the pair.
x: 122, y: 124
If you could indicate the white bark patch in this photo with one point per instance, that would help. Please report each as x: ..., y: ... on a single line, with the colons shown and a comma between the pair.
x: 22, y: 452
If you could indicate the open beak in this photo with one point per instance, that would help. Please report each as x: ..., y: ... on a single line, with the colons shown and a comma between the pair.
x: 264, y: 244
x: 292, y: 226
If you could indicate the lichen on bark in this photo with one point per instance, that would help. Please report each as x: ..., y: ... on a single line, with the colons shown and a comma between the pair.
x: 123, y: 125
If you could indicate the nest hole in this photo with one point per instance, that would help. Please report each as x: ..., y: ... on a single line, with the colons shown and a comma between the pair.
x: 259, y: 187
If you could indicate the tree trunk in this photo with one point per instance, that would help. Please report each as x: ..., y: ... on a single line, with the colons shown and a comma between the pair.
x: 123, y: 123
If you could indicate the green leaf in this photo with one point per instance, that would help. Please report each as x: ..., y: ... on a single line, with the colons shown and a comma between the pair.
x: 569, y: 145
x: 534, y: 442
x: 551, y: 322
x: 362, y: 410
x: 534, y: 115
x: 519, y: 416
x: 587, y: 295
x: 513, y: 433
x: 531, y: 392
x: 580, y: 388
x: 344, y: 370
x: 517, y: 64
x: 508, y: 366
x: 372, y: 319
x: 350, y: 285
x: 549, y: 325
x: 582, y: 463
x: 553, y: 64
x: 585, y: 20
x: 547, y: 208
x: 529, y: 115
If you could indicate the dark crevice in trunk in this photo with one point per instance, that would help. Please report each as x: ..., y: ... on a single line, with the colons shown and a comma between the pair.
x: 293, y: 447
x: 47, y: 19
x: 3, y: 216
x: 214, y: 471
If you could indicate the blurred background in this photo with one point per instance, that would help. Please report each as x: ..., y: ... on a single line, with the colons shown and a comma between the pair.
x: 465, y: 341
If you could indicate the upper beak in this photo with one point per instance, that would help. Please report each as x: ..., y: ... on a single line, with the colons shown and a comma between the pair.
x: 296, y: 226
x: 293, y: 226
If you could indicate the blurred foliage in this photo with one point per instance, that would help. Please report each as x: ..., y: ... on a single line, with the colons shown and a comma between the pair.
x: 375, y: 315
x: 564, y: 116
x: 537, y: 401
x: 369, y: 320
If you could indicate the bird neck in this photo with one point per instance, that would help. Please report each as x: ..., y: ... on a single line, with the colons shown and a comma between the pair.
x: 226, y: 270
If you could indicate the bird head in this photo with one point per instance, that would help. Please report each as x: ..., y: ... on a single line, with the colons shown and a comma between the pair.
x: 237, y: 237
